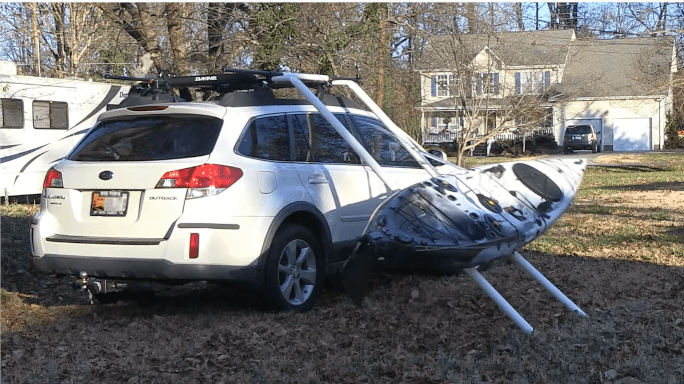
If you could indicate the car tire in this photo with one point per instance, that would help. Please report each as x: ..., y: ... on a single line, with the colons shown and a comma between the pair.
x: 294, y: 270
x: 594, y: 148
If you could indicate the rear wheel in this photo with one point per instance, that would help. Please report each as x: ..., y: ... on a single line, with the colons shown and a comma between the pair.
x: 594, y: 148
x: 567, y: 150
x: 294, y: 269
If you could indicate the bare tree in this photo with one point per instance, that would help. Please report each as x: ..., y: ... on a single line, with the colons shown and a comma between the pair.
x: 71, y: 35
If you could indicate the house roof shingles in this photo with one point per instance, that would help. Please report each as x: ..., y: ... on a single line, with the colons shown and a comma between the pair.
x: 630, y: 67
x: 634, y: 67
x: 514, y: 49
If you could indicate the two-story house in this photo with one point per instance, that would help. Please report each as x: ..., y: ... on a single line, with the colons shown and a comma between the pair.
x: 546, y: 80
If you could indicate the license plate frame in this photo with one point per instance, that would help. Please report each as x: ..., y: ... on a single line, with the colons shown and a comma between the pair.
x: 109, y: 203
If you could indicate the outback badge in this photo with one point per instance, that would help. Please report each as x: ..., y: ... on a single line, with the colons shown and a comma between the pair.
x: 106, y: 175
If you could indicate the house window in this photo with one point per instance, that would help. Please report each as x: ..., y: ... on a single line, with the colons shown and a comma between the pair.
x: 12, y: 113
x: 488, y: 83
x: 534, y: 82
x: 50, y: 115
x: 443, y: 85
x: 446, y: 124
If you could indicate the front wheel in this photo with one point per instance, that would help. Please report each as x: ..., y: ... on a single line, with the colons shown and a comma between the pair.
x: 294, y: 269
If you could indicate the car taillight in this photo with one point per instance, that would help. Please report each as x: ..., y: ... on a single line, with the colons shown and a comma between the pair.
x: 202, y: 180
x: 53, y: 179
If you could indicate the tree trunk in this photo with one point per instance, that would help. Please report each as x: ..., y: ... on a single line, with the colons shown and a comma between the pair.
x: 519, y: 16
x: 176, y: 13
x: 215, y: 25
x: 472, y: 17
x: 553, y: 15
x: 36, y: 43
x: 382, y: 57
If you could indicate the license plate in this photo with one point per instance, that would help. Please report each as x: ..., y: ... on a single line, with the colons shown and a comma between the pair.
x: 109, y: 203
x: 578, y: 138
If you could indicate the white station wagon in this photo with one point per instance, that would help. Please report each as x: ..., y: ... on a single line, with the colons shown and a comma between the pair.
x: 245, y: 189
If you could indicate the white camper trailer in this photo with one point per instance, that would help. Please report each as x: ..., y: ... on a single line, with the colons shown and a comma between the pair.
x: 41, y: 119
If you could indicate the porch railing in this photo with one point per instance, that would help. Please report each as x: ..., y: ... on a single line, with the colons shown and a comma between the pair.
x: 449, y: 137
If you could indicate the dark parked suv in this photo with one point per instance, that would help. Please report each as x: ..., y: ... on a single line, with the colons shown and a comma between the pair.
x: 583, y: 136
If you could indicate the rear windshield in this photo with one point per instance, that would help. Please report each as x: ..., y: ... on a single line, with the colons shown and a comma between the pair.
x: 149, y: 138
x: 578, y: 129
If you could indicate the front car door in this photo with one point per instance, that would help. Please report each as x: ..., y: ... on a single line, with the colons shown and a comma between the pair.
x: 399, y: 166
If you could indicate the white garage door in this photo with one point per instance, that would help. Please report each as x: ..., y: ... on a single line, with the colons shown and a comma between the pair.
x: 632, y: 134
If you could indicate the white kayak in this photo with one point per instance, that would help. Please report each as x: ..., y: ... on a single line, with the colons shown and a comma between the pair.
x: 466, y: 217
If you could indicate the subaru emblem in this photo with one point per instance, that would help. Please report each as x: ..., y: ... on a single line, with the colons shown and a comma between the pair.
x: 106, y: 175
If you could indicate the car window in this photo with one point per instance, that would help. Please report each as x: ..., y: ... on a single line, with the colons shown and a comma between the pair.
x: 266, y: 138
x: 578, y: 129
x: 149, y: 138
x: 315, y: 140
x: 381, y: 144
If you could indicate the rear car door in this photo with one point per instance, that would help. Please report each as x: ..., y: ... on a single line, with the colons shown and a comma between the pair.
x: 333, y: 175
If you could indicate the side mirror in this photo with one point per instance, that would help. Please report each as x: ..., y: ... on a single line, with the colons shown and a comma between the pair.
x: 438, y: 153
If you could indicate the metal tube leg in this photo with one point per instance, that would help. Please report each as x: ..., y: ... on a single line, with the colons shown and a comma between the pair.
x: 499, y: 300
x: 547, y: 284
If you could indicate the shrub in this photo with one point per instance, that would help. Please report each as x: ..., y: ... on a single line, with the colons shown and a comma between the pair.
x: 673, y: 126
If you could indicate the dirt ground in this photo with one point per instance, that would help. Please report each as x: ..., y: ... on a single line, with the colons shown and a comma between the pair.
x: 412, y: 328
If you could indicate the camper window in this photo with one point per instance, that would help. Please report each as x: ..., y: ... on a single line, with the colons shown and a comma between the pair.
x: 12, y: 113
x: 50, y: 115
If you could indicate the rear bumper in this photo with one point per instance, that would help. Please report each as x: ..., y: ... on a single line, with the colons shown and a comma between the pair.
x: 144, y: 269
x: 576, y: 145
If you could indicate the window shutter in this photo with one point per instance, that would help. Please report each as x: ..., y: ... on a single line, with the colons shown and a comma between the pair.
x: 518, y: 86
x: 547, y: 80
x: 479, y: 84
x: 433, y: 84
x: 433, y: 124
x: 495, y: 78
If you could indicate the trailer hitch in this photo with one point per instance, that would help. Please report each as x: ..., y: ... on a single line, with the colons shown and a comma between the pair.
x: 96, y: 286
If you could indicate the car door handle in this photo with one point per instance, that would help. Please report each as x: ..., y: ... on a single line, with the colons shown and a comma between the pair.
x: 318, y: 178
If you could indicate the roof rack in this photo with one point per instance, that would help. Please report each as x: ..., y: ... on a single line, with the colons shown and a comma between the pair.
x: 229, y: 86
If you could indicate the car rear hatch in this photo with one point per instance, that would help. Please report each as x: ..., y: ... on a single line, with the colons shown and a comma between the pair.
x: 128, y: 179
x: 578, y: 134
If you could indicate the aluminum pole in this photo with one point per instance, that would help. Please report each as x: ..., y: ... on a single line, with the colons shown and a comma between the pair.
x: 499, y: 300
x: 546, y: 284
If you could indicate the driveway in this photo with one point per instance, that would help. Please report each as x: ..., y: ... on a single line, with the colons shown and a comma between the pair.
x: 609, y: 158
